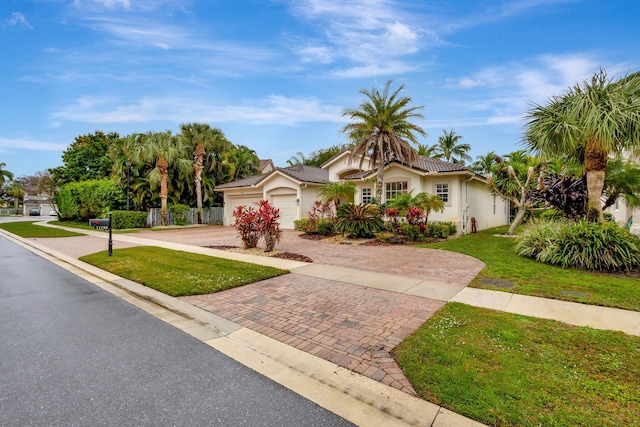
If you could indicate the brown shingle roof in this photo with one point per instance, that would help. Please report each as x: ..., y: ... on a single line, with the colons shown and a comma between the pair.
x: 302, y: 173
x: 424, y: 164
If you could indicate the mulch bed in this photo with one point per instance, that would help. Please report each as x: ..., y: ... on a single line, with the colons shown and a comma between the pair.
x: 281, y: 255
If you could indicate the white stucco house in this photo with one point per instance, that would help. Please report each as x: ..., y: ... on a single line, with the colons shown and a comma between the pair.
x: 622, y: 213
x: 294, y: 189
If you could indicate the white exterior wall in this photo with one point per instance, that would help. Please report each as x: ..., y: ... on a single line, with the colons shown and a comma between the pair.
x: 488, y: 210
x: 341, y: 165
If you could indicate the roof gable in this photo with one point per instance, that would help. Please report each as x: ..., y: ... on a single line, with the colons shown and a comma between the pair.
x: 302, y: 174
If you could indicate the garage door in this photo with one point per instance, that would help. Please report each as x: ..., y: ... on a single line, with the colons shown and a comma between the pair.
x: 288, y: 209
x: 242, y: 201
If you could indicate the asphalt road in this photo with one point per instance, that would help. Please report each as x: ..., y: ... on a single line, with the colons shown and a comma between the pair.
x: 72, y: 354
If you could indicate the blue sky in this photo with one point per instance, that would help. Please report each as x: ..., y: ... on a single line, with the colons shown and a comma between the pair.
x: 275, y: 75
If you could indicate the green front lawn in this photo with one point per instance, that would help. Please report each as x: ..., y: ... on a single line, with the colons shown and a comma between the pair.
x: 508, y: 370
x: 529, y: 277
x: 178, y: 273
x: 27, y: 229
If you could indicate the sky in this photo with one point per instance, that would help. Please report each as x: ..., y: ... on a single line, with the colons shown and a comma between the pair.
x: 276, y: 75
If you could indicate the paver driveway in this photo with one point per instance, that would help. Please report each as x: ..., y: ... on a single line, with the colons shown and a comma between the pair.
x: 355, y: 325
x: 351, y: 325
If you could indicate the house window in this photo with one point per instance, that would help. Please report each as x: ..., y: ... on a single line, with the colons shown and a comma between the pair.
x: 366, y: 195
x: 442, y: 191
x: 394, y: 189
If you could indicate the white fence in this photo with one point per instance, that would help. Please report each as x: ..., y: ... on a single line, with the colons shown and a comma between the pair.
x: 209, y: 216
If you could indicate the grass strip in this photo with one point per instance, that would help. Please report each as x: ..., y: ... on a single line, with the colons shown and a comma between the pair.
x: 27, y: 229
x: 509, y: 370
x: 530, y: 277
x: 178, y: 273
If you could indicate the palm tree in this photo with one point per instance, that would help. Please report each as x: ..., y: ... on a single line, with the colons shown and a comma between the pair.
x: 598, y: 117
x: 426, y: 150
x: 383, y: 131
x: 15, y: 190
x: 298, y: 159
x: 449, y: 148
x: 484, y: 163
x: 425, y: 201
x: 246, y: 162
x: 199, y: 139
x: 623, y: 180
x: 5, y: 175
x: 164, y: 150
x: 334, y: 191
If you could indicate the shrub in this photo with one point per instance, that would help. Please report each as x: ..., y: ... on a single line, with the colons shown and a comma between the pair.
x: 305, y: 225
x: 247, y: 225
x: 84, y: 200
x: 585, y: 245
x: 268, y: 224
x: 439, y: 230
x: 415, y: 233
x: 179, y: 213
x: 325, y: 227
x: 359, y: 220
x: 128, y: 219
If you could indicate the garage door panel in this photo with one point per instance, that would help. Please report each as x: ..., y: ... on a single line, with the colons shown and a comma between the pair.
x: 288, y: 206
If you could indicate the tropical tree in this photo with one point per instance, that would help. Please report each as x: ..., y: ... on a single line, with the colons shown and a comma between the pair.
x: 298, y: 159
x: 425, y: 201
x: 484, y: 163
x: 15, y: 190
x: 5, y: 175
x: 598, y: 117
x: 516, y: 182
x: 450, y: 149
x: 426, y: 150
x: 334, y: 191
x: 622, y: 180
x: 200, y: 138
x: 383, y: 130
x: 86, y: 158
x: 319, y: 157
x: 164, y: 151
x: 246, y: 162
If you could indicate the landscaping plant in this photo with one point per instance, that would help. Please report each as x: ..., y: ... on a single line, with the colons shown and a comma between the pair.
x: 179, y: 213
x: 597, y: 246
x: 268, y: 224
x: 359, y: 220
x: 253, y: 224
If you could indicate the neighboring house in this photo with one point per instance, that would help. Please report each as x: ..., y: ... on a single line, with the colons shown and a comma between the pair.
x: 623, y: 214
x: 266, y: 166
x: 40, y: 202
x: 294, y: 189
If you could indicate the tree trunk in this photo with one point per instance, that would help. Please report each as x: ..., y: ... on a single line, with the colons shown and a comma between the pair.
x: 199, y: 155
x: 595, y: 163
x: 16, y: 203
x: 380, y: 178
x: 516, y: 221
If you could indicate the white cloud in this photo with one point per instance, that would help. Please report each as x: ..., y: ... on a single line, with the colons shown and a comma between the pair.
x: 16, y: 19
x: 28, y: 144
x: 505, y: 92
x: 270, y: 110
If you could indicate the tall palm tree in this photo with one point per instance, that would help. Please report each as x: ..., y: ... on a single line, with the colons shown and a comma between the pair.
x: 165, y: 151
x: 597, y: 117
x: 383, y: 131
x: 450, y: 148
x: 426, y: 150
x: 199, y: 138
x: 5, y: 175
